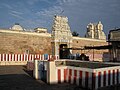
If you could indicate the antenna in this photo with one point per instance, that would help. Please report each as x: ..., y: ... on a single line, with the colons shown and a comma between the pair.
x: 61, y: 12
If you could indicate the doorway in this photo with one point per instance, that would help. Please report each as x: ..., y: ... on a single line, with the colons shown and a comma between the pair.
x: 63, y: 52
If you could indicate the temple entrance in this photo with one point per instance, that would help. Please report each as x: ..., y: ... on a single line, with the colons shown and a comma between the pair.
x: 63, y: 53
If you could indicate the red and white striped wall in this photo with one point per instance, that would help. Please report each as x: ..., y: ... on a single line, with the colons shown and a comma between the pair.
x: 89, y: 78
x: 24, y: 57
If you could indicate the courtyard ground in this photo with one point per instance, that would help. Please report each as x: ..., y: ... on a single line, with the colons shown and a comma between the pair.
x: 18, y: 78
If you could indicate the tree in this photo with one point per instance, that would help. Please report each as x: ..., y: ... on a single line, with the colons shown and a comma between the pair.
x: 74, y: 33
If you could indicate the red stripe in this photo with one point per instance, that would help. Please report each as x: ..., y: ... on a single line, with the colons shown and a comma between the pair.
x: 99, y: 79
x: 19, y: 57
x: 109, y: 79
x: 41, y: 57
x: 113, y: 77
x: 70, y: 72
x: 11, y: 57
x: 57, y: 57
x: 4, y: 57
x: 80, y: 79
x: 65, y: 75
x: 93, y: 80
x: 69, y: 79
x: 22, y: 57
x: 14, y: 57
x: 75, y: 76
x: 104, y: 78
x: 86, y: 79
x: 28, y: 57
x: 31, y: 56
x: 59, y: 76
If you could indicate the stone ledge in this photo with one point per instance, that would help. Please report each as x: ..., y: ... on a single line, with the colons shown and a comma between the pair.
x: 13, y: 62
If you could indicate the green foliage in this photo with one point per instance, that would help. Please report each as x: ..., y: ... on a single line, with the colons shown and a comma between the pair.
x: 74, y: 33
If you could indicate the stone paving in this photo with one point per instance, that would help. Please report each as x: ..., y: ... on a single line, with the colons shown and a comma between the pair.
x: 18, y: 78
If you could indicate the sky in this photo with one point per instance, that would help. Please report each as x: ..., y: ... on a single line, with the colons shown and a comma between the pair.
x: 40, y: 13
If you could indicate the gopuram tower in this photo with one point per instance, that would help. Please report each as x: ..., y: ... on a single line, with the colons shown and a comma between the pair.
x: 61, y: 37
x: 95, y: 31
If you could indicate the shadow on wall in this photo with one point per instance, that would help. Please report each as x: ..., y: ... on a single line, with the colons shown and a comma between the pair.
x: 106, y: 57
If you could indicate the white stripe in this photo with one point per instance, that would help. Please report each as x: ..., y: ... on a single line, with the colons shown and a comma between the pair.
x: 56, y: 75
x: 18, y: 57
x: 119, y: 75
x: 3, y: 57
x: 67, y: 78
x: 90, y: 80
x: 72, y: 77
x: 27, y: 57
x: 35, y: 56
x: 40, y: 57
x: 6, y: 57
x: 43, y: 57
x: 83, y: 78
x: 115, y: 76
x: 32, y: 57
x: 15, y: 57
x: 96, y: 80
x: 111, y: 76
x: 0, y: 58
x: 78, y: 76
x: 102, y: 79
x: 62, y: 75
x: 106, y: 77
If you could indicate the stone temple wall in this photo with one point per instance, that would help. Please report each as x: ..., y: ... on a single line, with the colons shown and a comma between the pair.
x: 19, y: 42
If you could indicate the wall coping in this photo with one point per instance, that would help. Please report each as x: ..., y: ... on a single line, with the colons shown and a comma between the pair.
x: 88, y: 39
x: 25, y: 32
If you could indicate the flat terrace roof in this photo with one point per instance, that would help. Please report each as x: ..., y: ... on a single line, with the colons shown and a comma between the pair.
x: 85, y: 64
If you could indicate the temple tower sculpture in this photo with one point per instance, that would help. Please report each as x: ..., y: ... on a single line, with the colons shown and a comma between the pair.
x: 61, y: 37
x: 95, y: 31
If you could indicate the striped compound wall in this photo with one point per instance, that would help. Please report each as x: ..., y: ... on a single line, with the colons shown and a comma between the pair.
x: 88, y: 78
x: 24, y: 57
x: 11, y: 58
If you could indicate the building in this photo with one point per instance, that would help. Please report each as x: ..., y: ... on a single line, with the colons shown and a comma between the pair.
x: 40, y: 30
x: 61, y: 36
x: 17, y: 27
x: 95, y: 31
x: 21, y: 41
x: 114, y: 41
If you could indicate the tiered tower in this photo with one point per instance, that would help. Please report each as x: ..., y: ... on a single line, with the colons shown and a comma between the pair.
x: 95, y: 31
x: 61, y: 36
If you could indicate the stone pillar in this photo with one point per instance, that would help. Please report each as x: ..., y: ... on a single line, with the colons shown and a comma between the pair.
x: 51, y: 73
x: 35, y: 71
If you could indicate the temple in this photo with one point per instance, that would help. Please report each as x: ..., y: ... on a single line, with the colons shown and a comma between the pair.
x: 61, y: 36
x: 95, y: 31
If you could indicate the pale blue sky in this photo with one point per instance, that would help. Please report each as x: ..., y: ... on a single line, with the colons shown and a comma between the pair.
x: 39, y: 13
